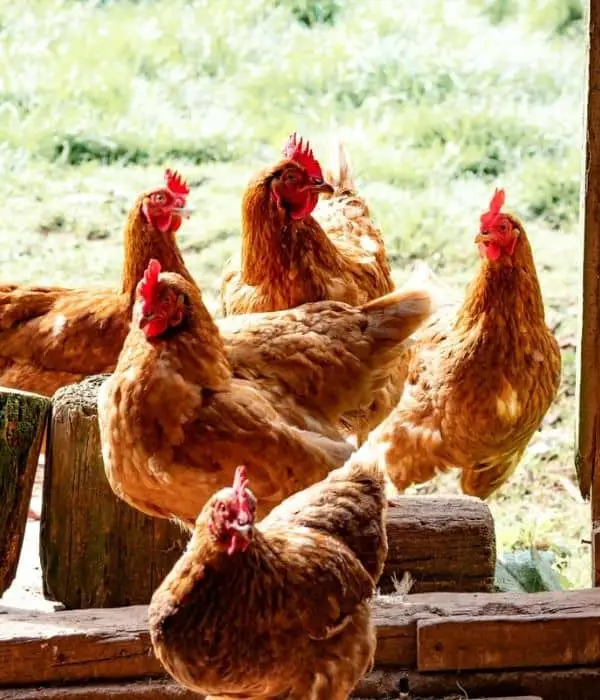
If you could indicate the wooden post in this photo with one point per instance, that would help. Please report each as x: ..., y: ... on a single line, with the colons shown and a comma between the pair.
x: 588, y: 379
x: 96, y: 551
x: 22, y: 423
x: 446, y: 544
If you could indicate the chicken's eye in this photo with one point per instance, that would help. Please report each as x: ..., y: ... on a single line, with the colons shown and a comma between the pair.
x: 160, y: 198
x: 290, y: 176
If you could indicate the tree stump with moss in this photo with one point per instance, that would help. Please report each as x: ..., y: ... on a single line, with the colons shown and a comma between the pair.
x: 22, y: 423
x: 96, y: 551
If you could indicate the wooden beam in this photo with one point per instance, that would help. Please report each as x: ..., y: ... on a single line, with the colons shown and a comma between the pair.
x: 549, y: 684
x: 588, y: 377
x: 113, y: 644
x: 529, y: 641
x: 156, y: 690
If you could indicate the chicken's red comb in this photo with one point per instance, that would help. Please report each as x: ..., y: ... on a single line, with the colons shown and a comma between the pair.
x: 149, y: 282
x: 176, y: 183
x: 302, y: 154
x: 489, y: 218
x: 240, y: 480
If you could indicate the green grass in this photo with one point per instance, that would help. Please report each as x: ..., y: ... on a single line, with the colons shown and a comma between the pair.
x: 438, y: 102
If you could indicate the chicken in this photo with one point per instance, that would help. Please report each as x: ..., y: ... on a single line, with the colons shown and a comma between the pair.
x: 182, y: 409
x: 481, y: 376
x: 54, y: 336
x: 296, y: 249
x: 277, y: 609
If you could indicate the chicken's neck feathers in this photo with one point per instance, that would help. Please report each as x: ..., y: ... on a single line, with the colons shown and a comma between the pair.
x: 506, y: 294
x: 274, y: 245
x: 142, y: 241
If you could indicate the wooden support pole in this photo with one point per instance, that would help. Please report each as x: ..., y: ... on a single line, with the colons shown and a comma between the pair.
x: 23, y: 419
x: 587, y: 459
x: 95, y: 550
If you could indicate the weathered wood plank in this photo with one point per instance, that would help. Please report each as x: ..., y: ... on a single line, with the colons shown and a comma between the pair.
x: 23, y: 419
x: 154, y: 690
x: 530, y: 641
x: 95, y: 550
x: 137, y: 690
x: 104, y: 645
x: 550, y: 684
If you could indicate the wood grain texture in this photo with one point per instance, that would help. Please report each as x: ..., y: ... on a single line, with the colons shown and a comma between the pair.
x: 23, y: 418
x: 446, y: 543
x: 530, y: 641
x: 588, y: 376
x: 106, y: 645
x: 548, y: 684
x: 95, y: 550
x: 161, y: 690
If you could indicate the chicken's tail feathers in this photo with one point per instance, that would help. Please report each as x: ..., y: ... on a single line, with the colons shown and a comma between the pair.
x: 422, y: 277
x: 338, y: 171
x: 367, y: 463
x: 396, y: 316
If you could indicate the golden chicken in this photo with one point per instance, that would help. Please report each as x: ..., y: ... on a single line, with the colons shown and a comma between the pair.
x: 296, y: 249
x: 182, y: 409
x: 481, y: 375
x: 277, y: 609
x: 54, y: 336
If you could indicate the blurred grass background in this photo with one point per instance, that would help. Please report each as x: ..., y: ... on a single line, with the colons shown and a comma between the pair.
x: 438, y: 102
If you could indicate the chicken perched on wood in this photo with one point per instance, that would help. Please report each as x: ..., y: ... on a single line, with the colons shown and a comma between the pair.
x: 53, y: 336
x: 296, y: 249
x: 182, y: 409
x: 481, y: 376
x: 277, y: 609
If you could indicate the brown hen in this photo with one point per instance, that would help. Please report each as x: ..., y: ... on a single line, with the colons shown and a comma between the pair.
x: 277, y: 609
x: 296, y: 249
x: 481, y: 376
x: 183, y: 409
x: 54, y: 336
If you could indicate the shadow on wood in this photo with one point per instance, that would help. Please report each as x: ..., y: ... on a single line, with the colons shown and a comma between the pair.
x: 22, y: 423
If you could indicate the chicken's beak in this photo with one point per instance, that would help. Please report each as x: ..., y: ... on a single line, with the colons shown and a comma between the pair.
x: 145, y: 320
x: 323, y: 188
x: 245, y: 531
x: 183, y: 212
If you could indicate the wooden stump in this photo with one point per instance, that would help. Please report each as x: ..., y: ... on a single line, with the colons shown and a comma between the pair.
x: 22, y: 423
x: 96, y: 551
x: 446, y: 543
